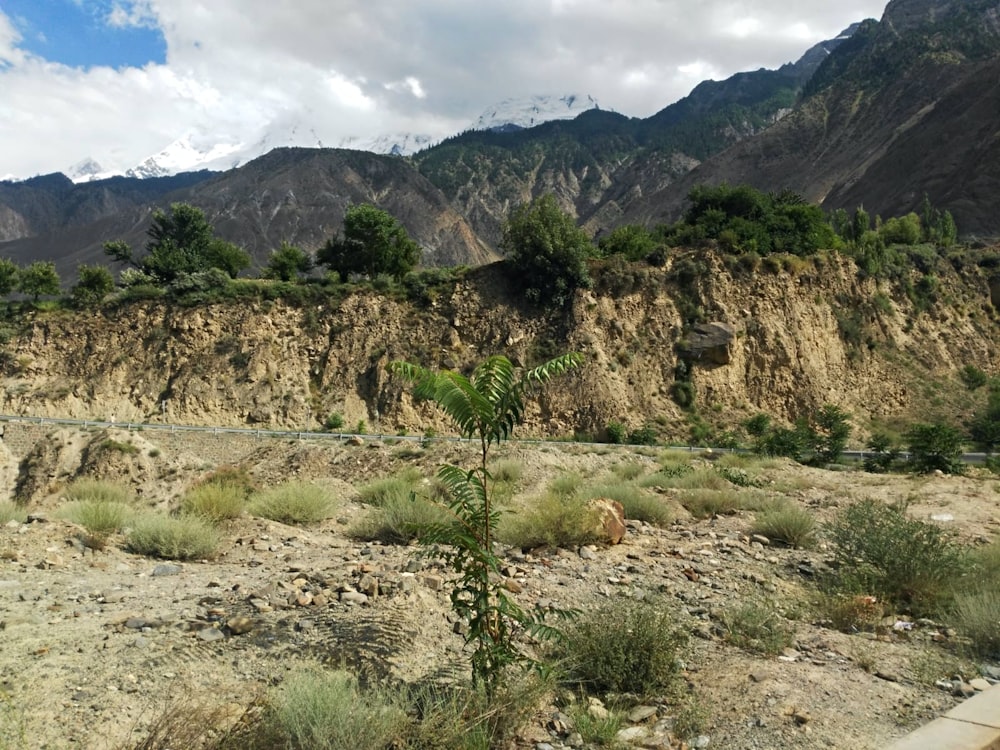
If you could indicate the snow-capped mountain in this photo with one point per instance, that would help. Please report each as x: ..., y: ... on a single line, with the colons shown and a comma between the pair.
x: 196, y: 151
x: 86, y: 170
x: 528, y: 111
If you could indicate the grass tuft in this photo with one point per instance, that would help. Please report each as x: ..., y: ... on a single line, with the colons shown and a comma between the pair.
x: 87, y: 490
x: 214, y: 502
x: 293, y: 503
x: 756, y: 626
x: 787, y: 524
x: 705, y: 503
x: 101, y: 519
x: 12, y: 512
x: 552, y: 520
x: 172, y: 537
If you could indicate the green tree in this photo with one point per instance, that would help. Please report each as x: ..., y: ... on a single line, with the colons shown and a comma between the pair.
x: 830, y: 431
x: 861, y: 222
x: 935, y: 447
x: 372, y: 243
x: 901, y: 230
x: 8, y: 276
x: 486, y: 407
x: 288, y: 262
x: 181, y: 241
x: 984, y: 428
x: 546, y: 251
x: 94, y: 284
x: 38, y: 278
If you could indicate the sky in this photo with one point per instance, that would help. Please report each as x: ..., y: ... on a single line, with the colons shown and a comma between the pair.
x: 118, y: 80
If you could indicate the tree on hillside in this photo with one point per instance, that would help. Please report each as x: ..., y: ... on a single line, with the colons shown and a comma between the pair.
x: 8, y: 276
x: 288, y: 262
x: 37, y: 279
x: 94, y: 284
x: 181, y: 241
x: 373, y: 242
x: 546, y: 251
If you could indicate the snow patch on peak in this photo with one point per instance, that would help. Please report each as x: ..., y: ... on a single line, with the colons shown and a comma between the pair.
x: 186, y: 154
x: 528, y: 111
x: 87, y: 170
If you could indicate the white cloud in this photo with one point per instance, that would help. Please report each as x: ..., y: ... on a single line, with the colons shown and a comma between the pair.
x: 136, y: 14
x: 358, y: 68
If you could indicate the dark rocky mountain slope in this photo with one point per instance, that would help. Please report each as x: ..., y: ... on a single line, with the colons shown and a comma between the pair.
x: 906, y: 107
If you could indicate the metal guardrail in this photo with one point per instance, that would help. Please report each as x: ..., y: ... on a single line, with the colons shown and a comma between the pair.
x: 971, y: 458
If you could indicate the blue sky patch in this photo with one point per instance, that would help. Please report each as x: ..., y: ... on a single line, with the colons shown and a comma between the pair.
x: 79, y: 33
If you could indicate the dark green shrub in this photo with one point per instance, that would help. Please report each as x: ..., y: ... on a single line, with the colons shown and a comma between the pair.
x: 616, y: 433
x: 880, y: 551
x: 644, y: 435
x: 935, y: 447
x: 642, y: 658
x: 334, y: 421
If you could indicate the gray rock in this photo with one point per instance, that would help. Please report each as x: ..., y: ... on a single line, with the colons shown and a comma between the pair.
x: 353, y: 597
x: 710, y: 343
x: 210, y: 635
x: 640, y: 713
x: 701, y: 741
x: 167, y: 569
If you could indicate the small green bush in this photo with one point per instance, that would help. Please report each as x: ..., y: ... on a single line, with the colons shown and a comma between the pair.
x: 642, y: 658
x: 884, y: 454
x: 739, y: 477
x: 708, y: 503
x: 553, y: 520
x: 87, y: 490
x: 972, y: 377
x: 787, y: 524
x: 334, y: 421
x: 172, y: 538
x: 645, y: 435
x: 327, y: 710
x: 11, y: 512
x: 214, y: 502
x: 294, y: 503
x: 756, y: 626
x: 909, y: 563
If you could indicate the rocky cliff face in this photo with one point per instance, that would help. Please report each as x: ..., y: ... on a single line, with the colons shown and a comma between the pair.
x: 802, y: 335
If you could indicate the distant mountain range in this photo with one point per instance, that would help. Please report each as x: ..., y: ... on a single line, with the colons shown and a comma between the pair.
x: 193, y: 152
x: 886, y: 112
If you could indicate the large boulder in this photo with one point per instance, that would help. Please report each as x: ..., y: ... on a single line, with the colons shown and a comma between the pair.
x: 609, y: 515
x: 709, y: 344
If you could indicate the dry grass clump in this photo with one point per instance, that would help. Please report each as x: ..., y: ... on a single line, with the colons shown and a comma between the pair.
x: 328, y: 710
x: 214, y: 502
x: 12, y: 512
x: 787, y: 524
x: 172, y: 537
x: 756, y: 626
x: 400, y: 520
x: 101, y: 508
x: 293, y: 503
x: 101, y: 519
x: 87, y: 490
x: 705, y: 503
x: 552, y: 520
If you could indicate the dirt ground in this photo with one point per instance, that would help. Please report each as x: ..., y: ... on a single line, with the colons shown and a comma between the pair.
x: 95, y: 644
